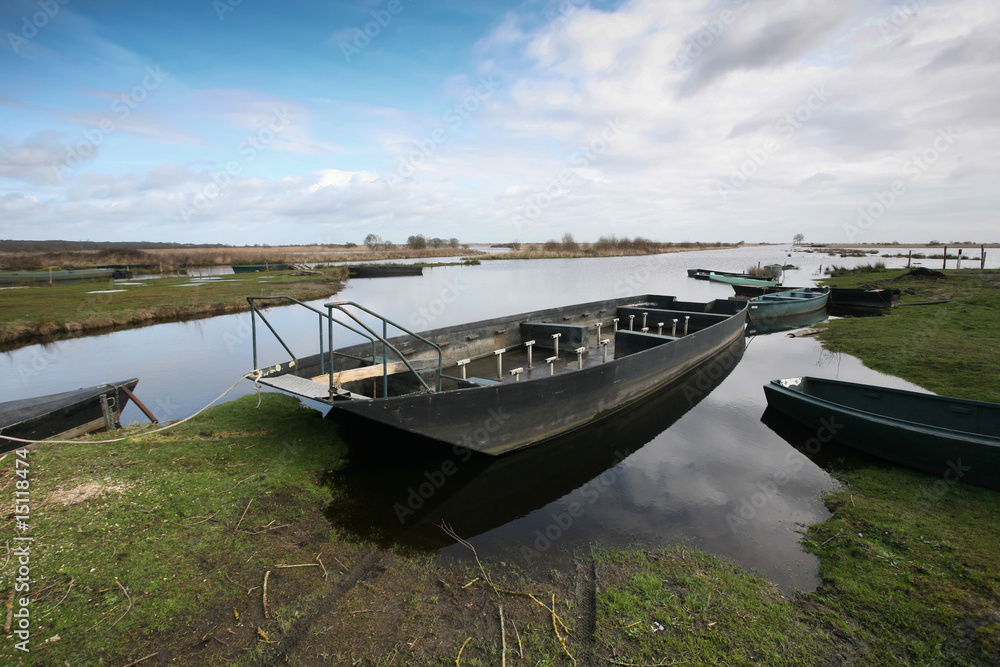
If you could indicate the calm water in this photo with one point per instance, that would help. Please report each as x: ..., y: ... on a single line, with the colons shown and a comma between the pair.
x: 696, y: 465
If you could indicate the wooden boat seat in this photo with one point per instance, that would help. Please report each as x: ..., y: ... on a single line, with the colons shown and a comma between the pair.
x: 375, y: 370
x: 482, y: 382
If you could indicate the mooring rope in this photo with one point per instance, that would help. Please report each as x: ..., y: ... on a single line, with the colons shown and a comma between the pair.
x: 254, y: 375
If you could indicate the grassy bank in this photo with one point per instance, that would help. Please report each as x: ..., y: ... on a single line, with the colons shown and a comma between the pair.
x: 163, y: 545
x: 950, y: 346
x: 160, y: 260
x: 33, y: 314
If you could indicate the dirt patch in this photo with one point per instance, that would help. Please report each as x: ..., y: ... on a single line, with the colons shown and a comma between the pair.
x: 82, y: 492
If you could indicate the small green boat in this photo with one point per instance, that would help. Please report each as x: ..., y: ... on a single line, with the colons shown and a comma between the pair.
x: 953, y: 438
x: 768, y: 310
x: 739, y: 280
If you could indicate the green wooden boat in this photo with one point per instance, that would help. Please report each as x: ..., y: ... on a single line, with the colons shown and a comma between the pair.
x: 768, y: 310
x: 739, y: 280
x: 953, y: 438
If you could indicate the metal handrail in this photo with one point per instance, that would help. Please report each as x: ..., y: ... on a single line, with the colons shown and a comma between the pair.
x: 255, y: 312
x: 341, y: 306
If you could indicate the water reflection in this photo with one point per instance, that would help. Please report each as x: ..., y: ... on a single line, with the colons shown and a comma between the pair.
x: 397, y: 490
x: 766, y: 325
x: 830, y: 456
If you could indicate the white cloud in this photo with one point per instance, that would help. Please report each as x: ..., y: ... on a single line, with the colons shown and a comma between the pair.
x: 786, y: 118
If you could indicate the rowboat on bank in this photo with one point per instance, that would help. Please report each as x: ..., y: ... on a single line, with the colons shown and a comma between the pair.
x: 503, y: 384
x: 768, y: 310
x: 952, y: 438
x: 850, y: 298
x: 64, y: 415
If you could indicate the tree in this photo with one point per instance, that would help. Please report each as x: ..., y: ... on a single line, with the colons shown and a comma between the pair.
x: 373, y: 241
x: 417, y: 242
x: 568, y: 242
x: 453, y: 242
x: 798, y: 238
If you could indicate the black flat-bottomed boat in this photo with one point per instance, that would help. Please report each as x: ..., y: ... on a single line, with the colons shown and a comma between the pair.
x: 954, y: 438
x: 64, y: 415
x: 503, y: 384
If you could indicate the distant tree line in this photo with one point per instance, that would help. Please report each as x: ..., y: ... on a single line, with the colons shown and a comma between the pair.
x: 624, y: 244
x: 419, y: 242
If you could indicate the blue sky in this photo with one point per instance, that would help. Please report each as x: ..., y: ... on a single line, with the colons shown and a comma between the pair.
x: 240, y: 121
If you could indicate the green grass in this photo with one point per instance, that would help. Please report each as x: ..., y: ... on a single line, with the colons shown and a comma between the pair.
x: 910, y: 569
x: 138, y: 538
x: 685, y: 605
x: 950, y: 348
x: 31, y: 313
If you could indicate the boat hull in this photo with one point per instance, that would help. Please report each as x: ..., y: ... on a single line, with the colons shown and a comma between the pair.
x: 506, y: 416
x: 952, y: 438
x: 64, y: 415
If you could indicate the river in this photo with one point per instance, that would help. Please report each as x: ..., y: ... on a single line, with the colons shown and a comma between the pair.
x: 700, y: 469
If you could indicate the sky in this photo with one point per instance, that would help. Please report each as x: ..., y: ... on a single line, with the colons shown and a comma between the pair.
x: 249, y: 122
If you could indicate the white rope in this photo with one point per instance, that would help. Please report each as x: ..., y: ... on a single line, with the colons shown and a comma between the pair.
x: 255, y: 375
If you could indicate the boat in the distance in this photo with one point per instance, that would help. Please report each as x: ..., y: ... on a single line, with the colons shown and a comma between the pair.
x: 258, y: 268
x: 703, y: 274
x: 756, y: 281
x: 506, y: 383
x: 768, y: 310
x: 64, y: 415
x: 383, y: 270
x: 843, y: 300
x: 953, y: 438
x: 864, y: 299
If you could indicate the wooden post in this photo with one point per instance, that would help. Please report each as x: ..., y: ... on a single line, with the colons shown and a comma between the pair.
x: 909, y: 258
x: 982, y: 257
x: 944, y: 262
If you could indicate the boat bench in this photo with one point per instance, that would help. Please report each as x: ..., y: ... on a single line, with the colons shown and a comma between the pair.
x: 573, y: 335
x: 480, y: 382
x: 655, y: 315
x: 629, y: 342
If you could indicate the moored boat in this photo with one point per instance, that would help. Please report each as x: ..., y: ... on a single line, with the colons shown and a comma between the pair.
x: 766, y: 311
x: 503, y: 384
x: 703, y: 274
x: 873, y: 299
x: 750, y: 291
x: 64, y: 415
x: 756, y: 281
x: 257, y: 268
x: 383, y: 270
x: 953, y: 438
